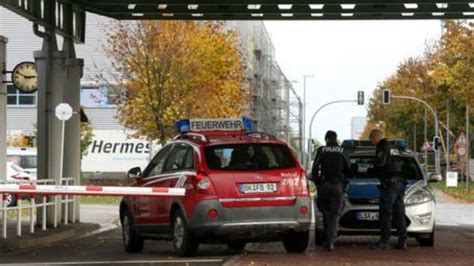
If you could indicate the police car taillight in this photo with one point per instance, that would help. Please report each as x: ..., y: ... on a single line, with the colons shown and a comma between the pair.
x: 203, y: 184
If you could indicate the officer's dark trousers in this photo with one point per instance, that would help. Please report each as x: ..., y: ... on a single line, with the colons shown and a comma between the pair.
x: 392, y: 211
x: 330, y: 202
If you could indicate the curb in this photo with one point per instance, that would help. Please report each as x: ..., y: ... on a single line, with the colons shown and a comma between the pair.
x: 45, y: 238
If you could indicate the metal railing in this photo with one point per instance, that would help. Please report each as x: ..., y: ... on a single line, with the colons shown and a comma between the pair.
x: 33, y: 206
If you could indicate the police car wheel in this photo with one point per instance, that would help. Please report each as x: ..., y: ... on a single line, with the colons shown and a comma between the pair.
x: 319, y: 238
x: 426, y: 240
x: 296, y: 242
x: 236, y: 245
x: 11, y: 200
x: 132, y: 242
x: 184, y: 242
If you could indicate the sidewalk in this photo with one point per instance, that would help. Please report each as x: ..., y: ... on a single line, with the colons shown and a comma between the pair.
x: 451, y: 211
x: 94, y: 218
x: 42, y: 238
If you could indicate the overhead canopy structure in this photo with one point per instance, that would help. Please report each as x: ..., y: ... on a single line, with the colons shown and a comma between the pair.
x: 36, y: 11
x: 280, y: 9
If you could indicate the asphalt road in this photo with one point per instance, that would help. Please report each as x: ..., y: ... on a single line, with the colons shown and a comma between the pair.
x: 106, y: 248
x: 454, y: 245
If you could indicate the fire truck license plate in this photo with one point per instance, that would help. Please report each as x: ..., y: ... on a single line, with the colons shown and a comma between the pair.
x: 258, y: 188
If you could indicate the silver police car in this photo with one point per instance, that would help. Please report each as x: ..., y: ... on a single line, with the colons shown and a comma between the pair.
x: 360, y: 213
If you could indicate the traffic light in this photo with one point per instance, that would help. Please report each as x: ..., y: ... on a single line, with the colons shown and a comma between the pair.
x: 386, y: 96
x: 436, y: 143
x: 360, y: 98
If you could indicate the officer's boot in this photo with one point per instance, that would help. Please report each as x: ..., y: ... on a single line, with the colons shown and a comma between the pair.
x: 402, y: 244
x: 330, y: 247
x: 330, y: 243
x: 381, y: 245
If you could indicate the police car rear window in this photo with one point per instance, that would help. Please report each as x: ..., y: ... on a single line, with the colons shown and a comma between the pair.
x: 249, y: 157
x: 363, y: 167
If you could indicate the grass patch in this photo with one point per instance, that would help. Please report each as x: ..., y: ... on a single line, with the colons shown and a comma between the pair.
x: 459, y: 192
x: 100, y: 200
x: 12, y: 213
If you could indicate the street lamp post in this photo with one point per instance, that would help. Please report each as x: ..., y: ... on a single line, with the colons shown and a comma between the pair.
x: 426, y: 138
x: 300, y: 124
x: 437, y: 157
x: 447, y: 137
x: 468, y: 130
x: 303, y: 135
x: 290, y: 89
x: 308, y: 161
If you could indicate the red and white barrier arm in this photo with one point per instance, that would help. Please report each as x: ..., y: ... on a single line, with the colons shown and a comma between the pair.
x: 90, y: 190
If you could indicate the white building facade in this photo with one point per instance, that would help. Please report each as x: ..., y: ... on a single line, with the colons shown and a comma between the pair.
x: 111, y: 152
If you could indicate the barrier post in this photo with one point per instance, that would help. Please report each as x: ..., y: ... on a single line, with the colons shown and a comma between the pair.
x: 74, y: 203
x: 43, y: 217
x: 18, y: 215
x: 55, y: 212
x: 32, y: 210
x: 5, y: 213
x: 66, y: 209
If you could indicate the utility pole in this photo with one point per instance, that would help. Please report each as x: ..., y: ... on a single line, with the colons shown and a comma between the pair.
x: 300, y: 123
x: 447, y: 138
x: 468, y: 173
x: 414, y: 137
x: 426, y: 139
x: 287, y: 116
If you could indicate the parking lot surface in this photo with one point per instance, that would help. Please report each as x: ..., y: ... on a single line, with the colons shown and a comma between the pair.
x: 454, y: 246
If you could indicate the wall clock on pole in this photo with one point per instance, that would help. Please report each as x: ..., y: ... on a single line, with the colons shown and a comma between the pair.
x: 25, y: 77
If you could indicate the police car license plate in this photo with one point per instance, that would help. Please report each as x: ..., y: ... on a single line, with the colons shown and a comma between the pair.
x: 368, y: 216
x: 258, y: 188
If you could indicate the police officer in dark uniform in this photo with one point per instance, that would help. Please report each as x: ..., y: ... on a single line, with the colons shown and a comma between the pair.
x: 330, y: 170
x: 392, y: 189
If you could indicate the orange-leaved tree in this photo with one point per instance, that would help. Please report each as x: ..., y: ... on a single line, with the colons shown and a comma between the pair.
x: 443, y: 76
x: 175, y: 69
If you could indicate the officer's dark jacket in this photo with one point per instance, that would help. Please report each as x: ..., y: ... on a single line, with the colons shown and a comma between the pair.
x: 330, y: 165
x: 386, y: 165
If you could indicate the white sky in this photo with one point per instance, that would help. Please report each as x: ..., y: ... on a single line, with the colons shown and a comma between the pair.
x: 345, y: 57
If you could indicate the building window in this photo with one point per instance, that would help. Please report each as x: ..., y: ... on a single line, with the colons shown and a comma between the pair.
x: 97, y: 96
x: 15, y: 97
x: 92, y: 97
